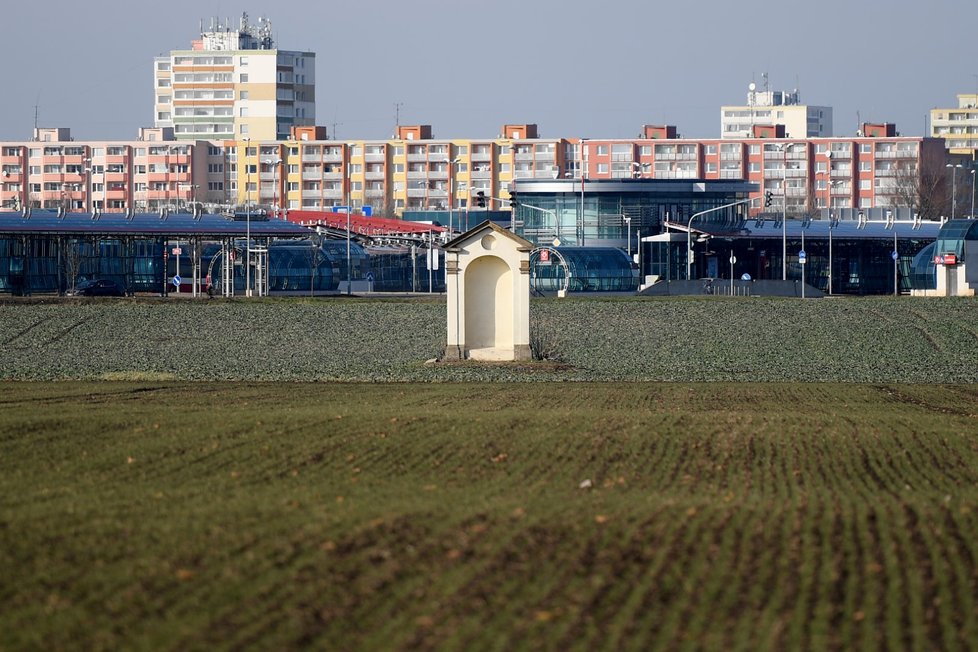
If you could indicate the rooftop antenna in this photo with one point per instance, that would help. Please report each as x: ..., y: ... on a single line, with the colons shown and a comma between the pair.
x: 397, y: 115
x: 765, y: 78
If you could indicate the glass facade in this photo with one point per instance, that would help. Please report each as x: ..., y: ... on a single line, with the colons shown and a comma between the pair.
x: 610, y: 213
x: 591, y: 269
x: 55, y: 264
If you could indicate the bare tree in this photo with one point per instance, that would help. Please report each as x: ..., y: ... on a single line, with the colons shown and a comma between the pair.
x: 314, y: 256
x: 923, y: 192
x: 72, y: 262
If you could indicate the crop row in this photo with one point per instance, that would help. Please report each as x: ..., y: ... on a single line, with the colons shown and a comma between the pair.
x: 475, y: 516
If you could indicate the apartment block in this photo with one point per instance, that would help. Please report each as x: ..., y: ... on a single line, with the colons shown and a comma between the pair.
x: 775, y: 108
x: 958, y: 127
x: 233, y: 83
x: 53, y: 171
x: 415, y: 171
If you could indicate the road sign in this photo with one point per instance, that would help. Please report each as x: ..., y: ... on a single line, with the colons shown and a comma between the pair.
x: 894, y: 255
x: 802, y: 257
x: 177, y: 251
x: 556, y: 242
x: 544, y: 255
x: 745, y: 277
x: 370, y: 277
x: 367, y: 210
x: 733, y: 259
x: 177, y: 280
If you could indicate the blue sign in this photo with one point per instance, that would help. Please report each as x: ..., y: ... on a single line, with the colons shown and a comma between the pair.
x: 802, y: 257
x: 367, y: 210
x: 177, y: 280
x: 745, y: 277
x: 341, y: 209
x: 370, y: 277
x: 894, y: 255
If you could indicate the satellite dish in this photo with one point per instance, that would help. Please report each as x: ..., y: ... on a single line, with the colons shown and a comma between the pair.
x: 751, y: 86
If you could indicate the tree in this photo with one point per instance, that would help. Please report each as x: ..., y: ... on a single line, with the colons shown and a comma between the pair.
x: 922, y: 191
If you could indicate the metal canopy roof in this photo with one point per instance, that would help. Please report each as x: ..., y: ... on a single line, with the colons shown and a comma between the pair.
x: 41, y: 222
x: 819, y: 229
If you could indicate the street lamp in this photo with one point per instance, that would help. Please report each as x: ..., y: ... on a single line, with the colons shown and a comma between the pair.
x: 783, y: 148
x: 972, y: 193
x: 452, y: 163
x: 247, y: 141
x: 954, y: 174
x: 274, y: 163
x: 689, y: 232
x: 628, y: 227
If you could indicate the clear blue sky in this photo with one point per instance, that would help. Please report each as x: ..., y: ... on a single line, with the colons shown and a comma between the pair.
x: 575, y: 68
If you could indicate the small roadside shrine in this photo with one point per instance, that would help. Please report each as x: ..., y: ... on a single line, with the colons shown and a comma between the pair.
x: 488, y: 285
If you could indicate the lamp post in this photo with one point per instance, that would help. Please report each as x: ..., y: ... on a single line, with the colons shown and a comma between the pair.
x: 954, y: 174
x: 972, y: 193
x: 628, y: 228
x: 349, y: 264
x: 274, y: 163
x: 583, y: 166
x: 247, y: 221
x: 689, y: 232
x: 784, y: 147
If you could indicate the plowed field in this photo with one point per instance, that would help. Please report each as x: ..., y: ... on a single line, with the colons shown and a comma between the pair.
x: 558, y: 516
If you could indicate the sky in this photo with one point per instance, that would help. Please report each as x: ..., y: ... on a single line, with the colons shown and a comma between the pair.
x: 467, y: 67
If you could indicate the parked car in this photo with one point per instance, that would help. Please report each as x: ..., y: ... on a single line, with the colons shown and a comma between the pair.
x: 98, y: 288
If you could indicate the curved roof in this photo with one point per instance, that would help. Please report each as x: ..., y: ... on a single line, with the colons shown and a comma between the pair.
x: 41, y: 222
x: 953, y: 235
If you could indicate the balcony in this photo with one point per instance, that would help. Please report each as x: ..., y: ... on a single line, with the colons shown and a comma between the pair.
x: 333, y: 176
x: 480, y: 174
x: 312, y: 176
x: 896, y: 153
x: 731, y: 174
x: 331, y: 157
x: 374, y: 158
x: 417, y: 192
x: 481, y: 156
x: 417, y: 175
x: 333, y: 194
x: 440, y: 175
x: 417, y: 157
x: 523, y: 156
x: 374, y: 193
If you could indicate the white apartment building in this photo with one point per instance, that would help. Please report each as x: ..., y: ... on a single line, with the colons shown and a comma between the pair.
x: 958, y: 127
x: 234, y: 84
x: 771, y: 108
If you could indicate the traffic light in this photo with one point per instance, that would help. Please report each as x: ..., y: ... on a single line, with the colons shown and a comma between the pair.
x: 514, y: 200
x: 480, y: 199
x: 768, y: 198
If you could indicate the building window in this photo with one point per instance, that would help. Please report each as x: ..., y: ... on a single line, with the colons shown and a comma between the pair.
x: 242, y: 129
x: 243, y: 95
x: 243, y: 78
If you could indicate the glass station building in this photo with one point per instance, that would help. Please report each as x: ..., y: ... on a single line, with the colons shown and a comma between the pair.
x: 682, y: 230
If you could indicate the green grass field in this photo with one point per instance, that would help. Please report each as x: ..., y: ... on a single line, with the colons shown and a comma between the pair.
x: 226, y: 515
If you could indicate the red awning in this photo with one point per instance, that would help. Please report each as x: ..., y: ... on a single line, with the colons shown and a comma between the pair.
x: 362, y: 224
